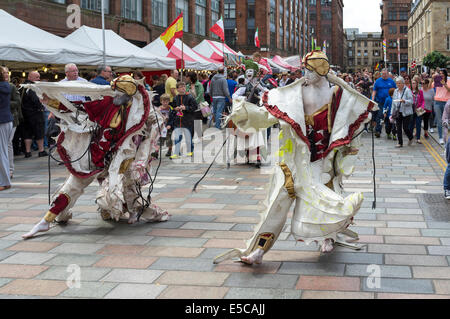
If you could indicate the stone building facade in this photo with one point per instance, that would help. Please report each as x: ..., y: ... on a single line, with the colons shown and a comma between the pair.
x: 428, y: 29
x: 364, y: 50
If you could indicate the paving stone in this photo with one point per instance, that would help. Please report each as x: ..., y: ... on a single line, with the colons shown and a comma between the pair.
x: 192, y: 278
x: 33, y: 246
x: 328, y: 283
x: 78, y: 248
x: 121, y: 250
x: 385, y: 271
x: 132, y: 276
x: 208, y: 226
x: 73, y: 238
x: 435, y: 232
x: 402, y: 285
x: 135, y: 291
x: 21, y: 271
x: 262, y: 293
x: 397, y: 249
x: 7, y: 243
x: 416, y: 260
x: 320, y: 269
x: 125, y: 240
x: 312, y: 294
x: 47, y: 288
x: 442, y: 286
x: 178, y: 242
x: 192, y: 292
x: 352, y: 258
x: 28, y: 258
x: 404, y: 224
x: 431, y: 272
x: 266, y: 267
x: 251, y: 280
x: 411, y: 240
x: 68, y: 259
x: 439, y: 250
x: 410, y: 296
x: 398, y: 231
x: 4, y: 281
x: 5, y: 254
x: 227, y: 234
x: 187, y: 264
x: 64, y: 272
x: 172, y: 252
x: 89, y: 290
x: 128, y: 262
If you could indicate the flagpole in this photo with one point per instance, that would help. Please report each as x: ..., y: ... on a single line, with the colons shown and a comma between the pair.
x: 103, y: 33
x: 182, y: 57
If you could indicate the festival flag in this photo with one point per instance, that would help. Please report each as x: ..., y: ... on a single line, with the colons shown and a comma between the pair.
x: 173, y: 32
x: 384, y: 50
x: 377, y: 66
x: 324, y: 47
x: 218, y: 29
x: 257, y: 44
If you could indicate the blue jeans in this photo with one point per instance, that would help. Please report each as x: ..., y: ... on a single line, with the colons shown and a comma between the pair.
x: 377, y: 118
x: 177, y: 135
x: 447, y: 178
x: 218, y: 105
x: 439, y: 109
x: 46, y: 113
x: 418, y: 121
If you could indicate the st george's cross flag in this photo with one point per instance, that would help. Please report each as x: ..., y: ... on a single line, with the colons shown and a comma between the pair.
x: 173, y: 32
x: 218, y: 29
x: 257, y: 44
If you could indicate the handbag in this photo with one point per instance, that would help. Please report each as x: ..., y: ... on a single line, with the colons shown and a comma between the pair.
x: 420, y: 111
x: 205, y: 109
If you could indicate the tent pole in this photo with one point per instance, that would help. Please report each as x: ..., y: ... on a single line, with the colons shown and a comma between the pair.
x: 103, y: 33
x: 182, y: 57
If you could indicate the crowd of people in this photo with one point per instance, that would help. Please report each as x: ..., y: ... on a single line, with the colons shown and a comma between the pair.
x: 407, y: 103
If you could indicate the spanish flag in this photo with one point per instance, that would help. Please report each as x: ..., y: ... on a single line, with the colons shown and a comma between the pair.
x: 174, y: 31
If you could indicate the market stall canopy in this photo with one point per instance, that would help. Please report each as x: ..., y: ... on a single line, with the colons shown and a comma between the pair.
x: 275, y: 66
x: 215, y: 50
x: 119, y: 52
x: 24, y: 43
x: 192, y: 59
x: 283, y: 64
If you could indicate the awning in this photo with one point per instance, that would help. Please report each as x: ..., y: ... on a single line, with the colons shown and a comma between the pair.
x: 192, y: 59
x: 119, y: 52
x: 215, y: 50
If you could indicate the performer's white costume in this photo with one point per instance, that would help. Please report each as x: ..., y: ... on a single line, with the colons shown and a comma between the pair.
x: 110, y: 139
x: 316, y: 152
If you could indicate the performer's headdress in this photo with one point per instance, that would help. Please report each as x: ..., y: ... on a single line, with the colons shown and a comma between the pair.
x: 125, y: 84
x: 317, y: 61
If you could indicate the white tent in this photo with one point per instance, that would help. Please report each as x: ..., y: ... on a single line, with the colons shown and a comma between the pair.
x: 192, y: 59
x: 22, y: 42
x: 119, y: 52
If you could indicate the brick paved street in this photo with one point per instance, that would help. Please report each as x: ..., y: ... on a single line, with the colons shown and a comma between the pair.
x: 174, y: 259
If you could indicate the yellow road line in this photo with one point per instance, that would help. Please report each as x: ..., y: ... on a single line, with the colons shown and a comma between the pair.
x: 435, y: 155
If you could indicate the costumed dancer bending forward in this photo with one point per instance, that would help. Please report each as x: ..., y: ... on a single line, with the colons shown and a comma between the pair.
x: 320, y: 117
x: 110, y: 139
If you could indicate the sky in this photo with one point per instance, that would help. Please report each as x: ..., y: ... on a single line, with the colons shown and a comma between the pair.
x: 362, y: 14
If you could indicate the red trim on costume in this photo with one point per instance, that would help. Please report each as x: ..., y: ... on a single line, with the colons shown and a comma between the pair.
x: 275, y: 111
x: 59, y: 204
x: 65, y: 157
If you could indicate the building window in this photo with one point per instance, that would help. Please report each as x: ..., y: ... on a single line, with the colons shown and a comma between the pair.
x: 215, y: 11
x: 200, y: 17
x: 392, y: 29
x: 159, y: 13
x: 403, y: 43
x: 359, y: 52
x: 230, y: 10
x: 60, y: 1
x: 403, y: 15
x: 448, y: 14
x: 393, y: 57
x: 350, y: 44
x: 251, y: 37
x: 131, y: 9
x: 312, y: 2
x: 350, y: 53
x: 182, y: 6
x: 376, y: 53
x: 95, y: 5
x: 404, y: 29
x: 448, y: 42
x: 251, y: 14
x: 392, y: 15
x: 366, y: 53
x: 404, y: 57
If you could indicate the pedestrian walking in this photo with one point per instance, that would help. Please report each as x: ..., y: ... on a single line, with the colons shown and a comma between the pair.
x: 442, y: 85
x: 389, y: 125
x: 6, y: 130
x: 402, y: 110
x: 428, y: 96
x: 220, y: 94
x: 447, y: 171
x: 379, y: 95
x: 418, y: 107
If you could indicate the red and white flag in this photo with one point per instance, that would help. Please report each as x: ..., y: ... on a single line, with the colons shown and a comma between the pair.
x: 218, y: 29
x: 257, y: 44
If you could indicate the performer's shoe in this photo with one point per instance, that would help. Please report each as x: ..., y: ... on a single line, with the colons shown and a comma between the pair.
x: 42, y: 226
x: 254, y: 258
x: 63, y: 217
x: 28, y: 154
x: 327, y: 246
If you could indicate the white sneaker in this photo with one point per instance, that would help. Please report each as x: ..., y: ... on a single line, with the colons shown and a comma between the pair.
x: 431, y: 130
x: 441, y: 141
x: 447, y: 194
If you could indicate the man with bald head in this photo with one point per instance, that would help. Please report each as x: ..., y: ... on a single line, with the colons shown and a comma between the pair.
x: 33, y: 116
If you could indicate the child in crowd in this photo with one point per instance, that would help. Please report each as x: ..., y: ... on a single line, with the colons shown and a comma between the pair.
x: 390, y: 127
x: 167, y: 112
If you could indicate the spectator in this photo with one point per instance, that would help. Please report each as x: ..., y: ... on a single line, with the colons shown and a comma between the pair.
x: 91, y: 75
x: 71, y: 71
x: 292, y: 78
x: 379, y: 95
x: 104, y: 75
x: 283, y: 80
x: 446, y: 120
x: 428, y: 96
x: 298, y: 74
x: 16, y: 111
x: 447, y: 172
x: 442, y: 85
x: 159, y: 88
x: 33, y: 116
x: 6, y: 129
x: 169, y: 114
x: 220, y: 94
x: 185, y: 107
x: 171, y: 85
x: 402, y: 110
x: 266, y: 69
x: 387, y: 111
x: 195, y: 88
x: 419, y: 103
x: 349, y: 80
x: 137, y: 75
